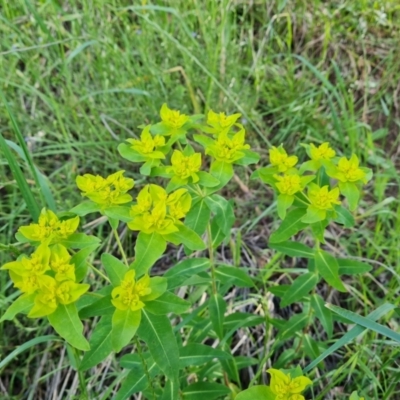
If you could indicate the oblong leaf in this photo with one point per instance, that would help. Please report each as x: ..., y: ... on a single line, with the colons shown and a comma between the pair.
x: 167, y: 303
x: 115, y: 268
x: 125, y: 323
x: 198, y: 354
x: 352, y: 267
x: 234, y: 275
x: 157, y: 332
x: 100, y: 345
x: 66, y: 323
x: 256, y: 392
x: 217, y: 311
x: 300, y: 287
x: 148, y: 249
x: 293, y: 249
x: 289, y: 226
x: 22, y: 305
x: 328, y: 267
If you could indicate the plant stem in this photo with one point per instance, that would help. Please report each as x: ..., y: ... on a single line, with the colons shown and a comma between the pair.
x: 99, y: 272
x: 82, y: 384
x: 121, y: 249
x: 146, y: 371
x: 211, y: 257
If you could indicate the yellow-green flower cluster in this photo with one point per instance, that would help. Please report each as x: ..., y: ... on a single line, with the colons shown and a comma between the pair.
x: 320, y: 197
x: 220, y: 122
x: 130, y: 294
x: 185, y: 167
x: 148, y: 145
x: 49, y: 276
x: 106, y: 192
x: 287, y: 388
x: 157, y: 211
x: 49, y: 228
x: 228, y: 147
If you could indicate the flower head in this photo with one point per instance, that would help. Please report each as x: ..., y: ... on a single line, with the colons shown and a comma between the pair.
x: 280, y: 159
x: 323, y: 198
x: 287, y: 388
x: 129, y: 293
x: 172, y: 118
x: 228, y: 148
x: 49, y: 228
x: 322, y: 152
x: 106, y: 191
x: 220, y: 121
x: 51, y: 293
x: 185, y: 167
x: 156, y: 211
x: 348, y: 170
x: 60, y: 263
x: 289, y: 183
x: 148, y: 145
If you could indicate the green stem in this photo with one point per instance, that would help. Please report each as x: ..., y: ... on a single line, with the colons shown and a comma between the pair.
x: 211, y: 257
x: 121, y: 249
x: 82, y: 383
x: 99, y: 272
x: 146, y: 371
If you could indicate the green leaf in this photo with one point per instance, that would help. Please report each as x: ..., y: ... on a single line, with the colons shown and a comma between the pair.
x: 300, y: 287
x: 223, y: 211
x: 136, y: 381
x: 255, y: 393
x: 129, y: 154
x: 365, y: 322
x: 198, y: 354
x: 120, y: 213
x: 294, y: 325
x: 318, y: 229
x: 79, y: 260
x: 115, y: 269
x: 157, y: 332
x: 168, y: 303
x: 158, y: 285
x: 148, y: 249
x: 289, y: 226
x: 22, y: 305
x: 171, y: 390
x: 181, y: 271
x: 217, y: 234
x: 100, y: 345
x: 198, y: 217
x: 284, y: 201
x: 344, y: 217
x: 84, y: 208
x: 250, y: 157
x: 188, y: 237
x: 323, y: 314
x: 328, y: 267
x: 266, y: 174
x: 204, y: 390
x: 314, y: 215
x: 80, y: 241
x: 207, y: 180
x: 293, y: 249
x: 125, y: 323
x: 351, y: 192
x: 352, y: 267
x: 217, y: 311
x: 100, y: 307
x: 65, y: 321
x: 351, y: 335
x: 223, y: 172
x: 234, y: 275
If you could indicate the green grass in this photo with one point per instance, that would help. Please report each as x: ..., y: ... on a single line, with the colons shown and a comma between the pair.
x: 79, y: 78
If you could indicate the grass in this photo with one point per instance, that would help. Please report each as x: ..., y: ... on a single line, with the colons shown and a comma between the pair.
x: 80, y: 77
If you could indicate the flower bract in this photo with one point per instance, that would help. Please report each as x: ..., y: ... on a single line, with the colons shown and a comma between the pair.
x: 287, y: 388
x: 280, y: 159
x: 49, y: 228
x: 220, y: 122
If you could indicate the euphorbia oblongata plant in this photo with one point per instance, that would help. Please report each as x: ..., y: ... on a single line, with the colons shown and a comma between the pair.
x: 162, y: 325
